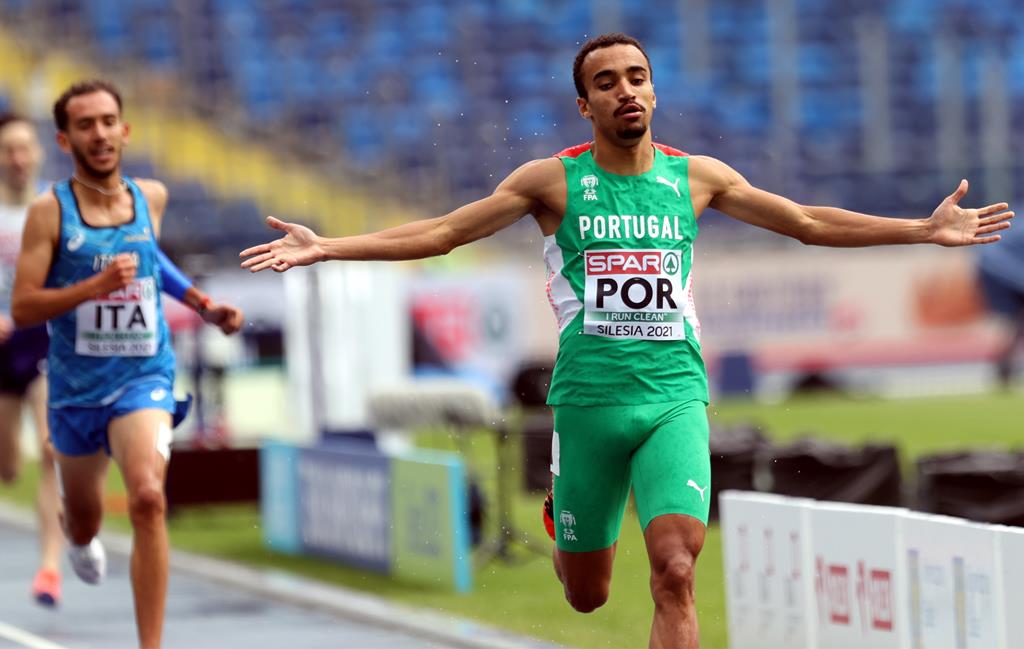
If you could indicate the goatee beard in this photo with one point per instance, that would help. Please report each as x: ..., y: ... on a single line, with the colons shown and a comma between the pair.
x: 92, y: 171
x: 632, y: 133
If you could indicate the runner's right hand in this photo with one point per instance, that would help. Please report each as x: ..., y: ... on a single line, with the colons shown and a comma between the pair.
x: 119, y: 273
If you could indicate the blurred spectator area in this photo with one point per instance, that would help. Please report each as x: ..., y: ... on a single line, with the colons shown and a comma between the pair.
x: 878, y: 106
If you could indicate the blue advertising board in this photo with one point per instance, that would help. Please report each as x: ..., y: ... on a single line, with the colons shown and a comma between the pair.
x: 405, y: 516
x: 345, y: 504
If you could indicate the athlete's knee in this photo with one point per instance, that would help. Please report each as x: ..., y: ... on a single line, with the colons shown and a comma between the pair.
x: 147, y: 503
x: 9, y: 472
x: 587, y: 599
x: 10, y: 468
x: 672, y: 579
x: 585, y: 592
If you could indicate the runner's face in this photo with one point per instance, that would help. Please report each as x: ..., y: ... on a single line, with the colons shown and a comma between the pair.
x: 620, y: 96
x: 95, y: 134
x: 20, y: 155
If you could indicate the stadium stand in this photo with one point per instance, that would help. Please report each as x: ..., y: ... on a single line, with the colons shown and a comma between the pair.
x: 465, y: 91
x: 816, y: 100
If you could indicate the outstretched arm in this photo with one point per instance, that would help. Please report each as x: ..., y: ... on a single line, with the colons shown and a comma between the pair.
x: 513, y: 199
x: 949, y: 224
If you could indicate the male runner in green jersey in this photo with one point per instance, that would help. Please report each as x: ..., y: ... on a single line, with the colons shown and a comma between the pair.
x: 629, y: 388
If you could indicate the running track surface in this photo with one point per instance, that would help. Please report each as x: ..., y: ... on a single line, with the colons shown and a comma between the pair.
x: 214, y: 605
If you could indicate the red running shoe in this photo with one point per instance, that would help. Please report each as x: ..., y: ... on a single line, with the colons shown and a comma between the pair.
x: 549, y: 514
x: 46, y: 587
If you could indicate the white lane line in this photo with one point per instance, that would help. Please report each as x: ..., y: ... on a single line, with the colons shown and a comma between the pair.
x: 14, y: 634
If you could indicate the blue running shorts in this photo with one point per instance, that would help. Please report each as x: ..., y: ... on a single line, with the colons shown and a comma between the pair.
x: 83, y: 430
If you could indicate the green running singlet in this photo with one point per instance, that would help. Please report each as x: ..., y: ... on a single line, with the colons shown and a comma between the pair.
x: 629, y: 387
x: 621, y: 287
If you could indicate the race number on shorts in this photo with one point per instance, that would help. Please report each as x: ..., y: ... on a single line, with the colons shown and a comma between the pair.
x: 634, y: 294
x: 122, y: 323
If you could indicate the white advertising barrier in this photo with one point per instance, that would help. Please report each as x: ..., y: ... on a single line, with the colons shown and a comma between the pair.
x: 346, y: 334
x: 1010, y: 602
x: 767, y: 566
x: 859, y: 579
x: 952, y: 582
x: 873, y: 577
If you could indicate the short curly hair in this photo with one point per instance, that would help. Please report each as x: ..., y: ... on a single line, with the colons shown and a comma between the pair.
x: 596, y: 43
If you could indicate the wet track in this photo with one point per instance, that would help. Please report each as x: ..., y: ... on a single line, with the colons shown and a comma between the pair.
x: 214, y: 605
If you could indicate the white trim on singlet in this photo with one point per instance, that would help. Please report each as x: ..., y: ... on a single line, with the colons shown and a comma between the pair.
x: 561, y: 297
x: 690, y: 308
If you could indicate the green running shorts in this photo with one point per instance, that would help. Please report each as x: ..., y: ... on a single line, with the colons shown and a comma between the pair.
x: 597, y: 452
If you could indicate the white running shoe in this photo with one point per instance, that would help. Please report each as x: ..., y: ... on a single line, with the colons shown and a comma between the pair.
x: 88, y: 561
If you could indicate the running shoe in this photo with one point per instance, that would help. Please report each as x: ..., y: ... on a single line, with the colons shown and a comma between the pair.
x: 46, y: 587
x: 549, y: 514
x: 89, y: 561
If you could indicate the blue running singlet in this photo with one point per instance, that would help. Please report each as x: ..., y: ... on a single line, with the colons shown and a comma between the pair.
x: 110, y: 342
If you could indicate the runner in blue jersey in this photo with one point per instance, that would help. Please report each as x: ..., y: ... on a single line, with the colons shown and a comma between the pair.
x: 23, y: 351
x: 90, y: 265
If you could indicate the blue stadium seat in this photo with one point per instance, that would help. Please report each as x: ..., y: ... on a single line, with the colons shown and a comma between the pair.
x: 393, y: 80
x: 111, y: 27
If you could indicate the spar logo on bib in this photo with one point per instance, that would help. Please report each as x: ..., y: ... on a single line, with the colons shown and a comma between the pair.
x: 634, y: 294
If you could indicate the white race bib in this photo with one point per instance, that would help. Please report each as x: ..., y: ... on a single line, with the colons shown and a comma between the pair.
x: 122, y: 323
x: 634, y: 294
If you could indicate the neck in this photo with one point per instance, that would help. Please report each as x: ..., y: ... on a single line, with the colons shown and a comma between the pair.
x: 624, y: 159
x: 102, y: 190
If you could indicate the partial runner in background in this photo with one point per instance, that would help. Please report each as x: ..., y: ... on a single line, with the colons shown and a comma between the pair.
x: 23, y: 351
x: 90, y: 265
x: 629, y: 388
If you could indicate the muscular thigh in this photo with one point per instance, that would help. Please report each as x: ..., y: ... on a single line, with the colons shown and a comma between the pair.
x: 591, y: 449
x: 671, y: 469
x: 140, y: 445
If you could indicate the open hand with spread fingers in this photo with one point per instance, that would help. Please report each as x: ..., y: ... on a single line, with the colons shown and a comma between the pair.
x: 952, y: 225
x: 300, y: 246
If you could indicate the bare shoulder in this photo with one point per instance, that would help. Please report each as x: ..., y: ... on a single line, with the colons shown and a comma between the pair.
x: 154, y: 191
x: 712, y: 177
x: 540, y: 180
x: 44, y: 207
x: 43, y: 217
x: 539, y: 173
x: 710, y: 169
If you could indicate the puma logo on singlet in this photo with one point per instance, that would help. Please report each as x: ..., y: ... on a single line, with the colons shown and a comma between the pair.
x: 674, y: 186
x: 691, y: 483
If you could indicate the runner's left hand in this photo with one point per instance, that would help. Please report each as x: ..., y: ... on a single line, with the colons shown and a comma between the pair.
x: 228, y: 318
x: 952, y: 225
x: 299, y: 247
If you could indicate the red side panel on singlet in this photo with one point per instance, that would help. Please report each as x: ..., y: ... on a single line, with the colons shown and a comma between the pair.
x: 667, y: 150
x: 574, y: 151
x: 580, y: 149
